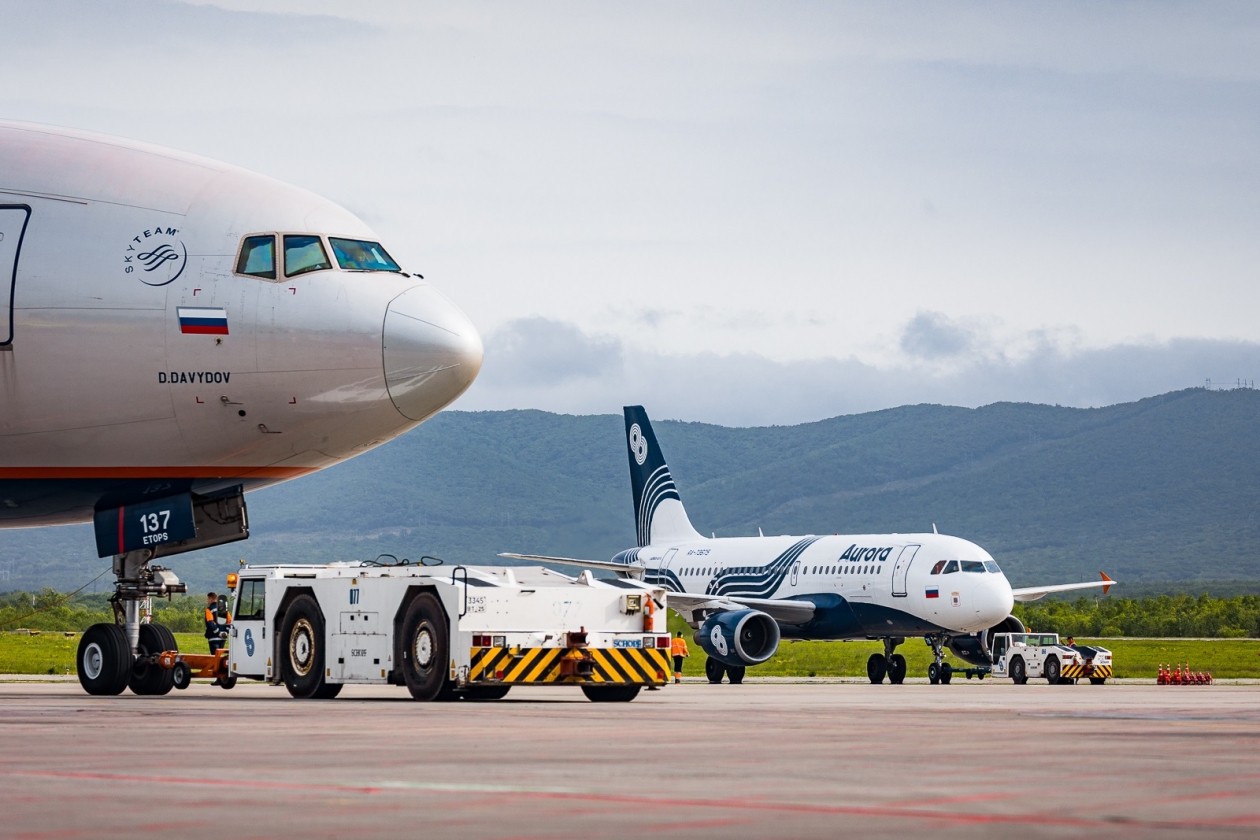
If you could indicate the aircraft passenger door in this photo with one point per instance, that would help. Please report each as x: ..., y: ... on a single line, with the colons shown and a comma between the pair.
x: 904, y: 559
x: 13, y: 219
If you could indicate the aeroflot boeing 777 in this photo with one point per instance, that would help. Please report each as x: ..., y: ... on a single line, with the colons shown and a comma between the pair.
x: 743, y: 594
x: 175, y: 331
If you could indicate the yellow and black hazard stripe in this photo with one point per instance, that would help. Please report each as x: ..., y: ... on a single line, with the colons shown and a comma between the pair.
x: 1076, y: 670
x: 543, y: 665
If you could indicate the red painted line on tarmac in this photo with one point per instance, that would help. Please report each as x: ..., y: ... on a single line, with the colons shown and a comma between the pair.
x: 888, y: 812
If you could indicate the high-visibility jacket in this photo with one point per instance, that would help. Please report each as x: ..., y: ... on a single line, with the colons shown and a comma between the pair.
x: 678, y: 647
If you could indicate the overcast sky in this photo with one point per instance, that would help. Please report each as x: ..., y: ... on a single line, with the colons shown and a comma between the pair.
x: 738, y: 212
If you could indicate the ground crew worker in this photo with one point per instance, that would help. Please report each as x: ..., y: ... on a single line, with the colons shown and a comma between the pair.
x: 217, y: 620
x: 678, y: 649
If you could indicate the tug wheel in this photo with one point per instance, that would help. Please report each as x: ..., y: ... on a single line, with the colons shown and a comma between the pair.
x: 486, y: 692
x: 181, y: 675
x: 1052, y: 670
x: 425, y: 649
x: 610, y: 693
x: 1097, y: 680
x: 302, y: 648
x: 103, y: 660
x: 1019, y: 673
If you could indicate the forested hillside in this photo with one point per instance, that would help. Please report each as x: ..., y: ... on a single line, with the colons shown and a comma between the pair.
x: 1165, y: 489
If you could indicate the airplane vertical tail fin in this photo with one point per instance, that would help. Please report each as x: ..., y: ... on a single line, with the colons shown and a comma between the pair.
x: 659, y: 515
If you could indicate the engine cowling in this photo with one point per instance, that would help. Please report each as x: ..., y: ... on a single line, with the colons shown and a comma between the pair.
x: 976, y: 648
x: 742, y: 637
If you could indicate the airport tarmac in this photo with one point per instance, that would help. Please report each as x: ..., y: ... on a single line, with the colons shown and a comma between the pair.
x: 697, y: 761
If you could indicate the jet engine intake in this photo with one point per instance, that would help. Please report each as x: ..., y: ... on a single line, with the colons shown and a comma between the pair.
x: 743, y: 637
x: 975, y: 648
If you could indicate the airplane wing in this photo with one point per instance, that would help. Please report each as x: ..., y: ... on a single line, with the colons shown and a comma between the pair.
x: 584, y: 564
x: 789, y: 612
x: 1034, y: 593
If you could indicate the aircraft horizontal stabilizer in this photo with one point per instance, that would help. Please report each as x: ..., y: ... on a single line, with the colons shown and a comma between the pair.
x: 582, y: 564
x: 1035, y: 593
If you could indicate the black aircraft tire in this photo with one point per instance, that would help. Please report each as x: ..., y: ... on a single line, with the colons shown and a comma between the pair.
x: 486, y: 692
x: 1019, y: 673
x: 714, y: 670
x: 947, y: 674
x: 302, y: 648
x: 875, y: 668
x: 610, y: 693
x: 103, y: 660
x: 934, y: 674
x: 152, y: 679
x: 1052, y: 671
x: 426, y: 648
x: 327, y: 691
x: 897, y: 669
x: 735, y: 673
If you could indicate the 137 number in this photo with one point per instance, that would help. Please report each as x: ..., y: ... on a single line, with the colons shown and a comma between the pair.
x: 154, y: 522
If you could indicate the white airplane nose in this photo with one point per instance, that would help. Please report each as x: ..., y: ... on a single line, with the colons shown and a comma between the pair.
x: 432, y: 352
x: 994, y: 601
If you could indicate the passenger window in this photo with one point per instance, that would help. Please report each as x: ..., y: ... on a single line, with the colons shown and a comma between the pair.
x: 258, y: 257
x: 303, y: 254
x: 950, y: 567
x: 940, y: 564
x: 361, y: 255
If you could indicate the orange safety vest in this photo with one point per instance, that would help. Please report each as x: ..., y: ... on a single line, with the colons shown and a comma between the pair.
x: 678, y: 647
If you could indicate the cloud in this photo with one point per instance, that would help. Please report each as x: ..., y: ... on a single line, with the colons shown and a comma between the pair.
x: 933, y: 335
x: 536, y: 351
x: 552, y: 365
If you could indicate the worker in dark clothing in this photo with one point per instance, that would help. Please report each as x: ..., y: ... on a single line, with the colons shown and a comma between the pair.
x: 217, y: 621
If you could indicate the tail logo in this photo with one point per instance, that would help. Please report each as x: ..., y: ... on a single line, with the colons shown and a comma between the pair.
x: 638, y: 444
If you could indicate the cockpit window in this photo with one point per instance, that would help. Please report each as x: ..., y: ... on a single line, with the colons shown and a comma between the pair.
x: 303, y: 254
x: 940, y: 564
x: 258, y: 257
x: 992, y: 566
x: 950, y: 567
x: 972, y: 566
x: 361, y: 255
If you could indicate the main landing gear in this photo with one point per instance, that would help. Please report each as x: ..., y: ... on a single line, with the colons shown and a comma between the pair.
x: 715, y: 670
x: 124, y: 654
x: 892, y: 665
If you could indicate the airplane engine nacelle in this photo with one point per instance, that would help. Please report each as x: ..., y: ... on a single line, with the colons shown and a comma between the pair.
x: 975, y: 648
x: 744, y: 637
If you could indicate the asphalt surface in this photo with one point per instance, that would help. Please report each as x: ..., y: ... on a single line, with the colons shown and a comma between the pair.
x: 696, y: 761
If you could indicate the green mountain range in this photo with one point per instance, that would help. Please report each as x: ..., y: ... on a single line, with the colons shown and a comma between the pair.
x: 1161, y: 490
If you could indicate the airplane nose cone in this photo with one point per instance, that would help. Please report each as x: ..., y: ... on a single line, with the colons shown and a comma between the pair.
x: 432, y: 352
x: 995, y: 601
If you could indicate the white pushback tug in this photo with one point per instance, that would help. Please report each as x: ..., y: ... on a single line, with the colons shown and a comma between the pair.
x: 445, y: 632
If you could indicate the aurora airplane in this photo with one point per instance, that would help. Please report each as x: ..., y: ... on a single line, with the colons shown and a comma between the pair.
x: 743, y: 594
x: 176, y: 331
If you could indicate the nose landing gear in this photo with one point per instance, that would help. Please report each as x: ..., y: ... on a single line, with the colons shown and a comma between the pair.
x: 939, y: 672
x: 124, y: 654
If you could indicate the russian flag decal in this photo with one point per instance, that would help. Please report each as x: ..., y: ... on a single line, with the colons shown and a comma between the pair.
x: 933, y: 593
x: 202, y: 320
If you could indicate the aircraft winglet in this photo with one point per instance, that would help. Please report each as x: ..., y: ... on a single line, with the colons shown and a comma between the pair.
x: 1105, y: 586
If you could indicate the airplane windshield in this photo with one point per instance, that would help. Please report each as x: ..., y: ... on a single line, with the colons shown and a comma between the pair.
x: 303, y: 254
x: 972, y: 566
x: 992, y: 566
x: 362, y: 255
